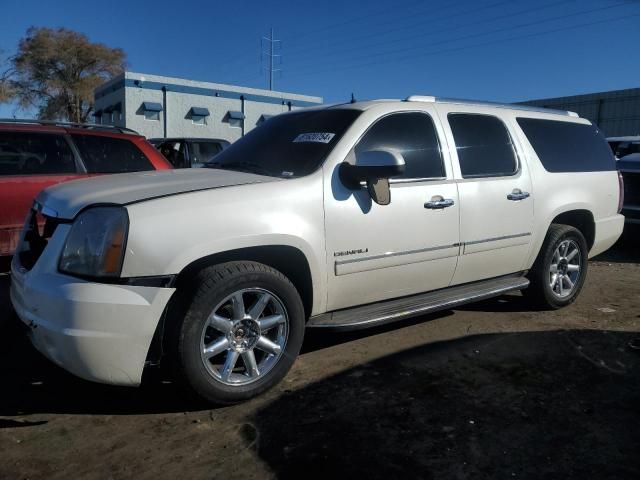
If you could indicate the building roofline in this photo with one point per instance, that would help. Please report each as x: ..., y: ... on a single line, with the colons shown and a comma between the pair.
x: 183, y: 82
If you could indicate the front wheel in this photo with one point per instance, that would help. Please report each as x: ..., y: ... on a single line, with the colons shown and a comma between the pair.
x: 242, y: 331
x: 559, y: 272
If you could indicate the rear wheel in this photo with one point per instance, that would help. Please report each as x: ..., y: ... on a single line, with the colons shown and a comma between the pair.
x: 559, y: 272
x: 242, y: 331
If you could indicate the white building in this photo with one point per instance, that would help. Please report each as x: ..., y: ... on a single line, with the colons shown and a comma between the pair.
x: 157, y: 106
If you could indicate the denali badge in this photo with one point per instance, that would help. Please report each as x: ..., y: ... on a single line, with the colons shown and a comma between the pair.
x: 350, y: 252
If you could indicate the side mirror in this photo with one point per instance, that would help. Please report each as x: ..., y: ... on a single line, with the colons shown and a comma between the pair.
x: 374, y: 167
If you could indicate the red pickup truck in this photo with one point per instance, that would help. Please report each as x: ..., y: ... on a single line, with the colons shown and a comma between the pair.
x: 36, y: 154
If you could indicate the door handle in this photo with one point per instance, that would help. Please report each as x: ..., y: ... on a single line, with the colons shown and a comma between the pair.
x: 438, y: 203
x: 517, y: 194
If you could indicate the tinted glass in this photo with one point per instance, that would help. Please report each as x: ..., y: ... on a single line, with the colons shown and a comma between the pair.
x: 202, y: 152
x: 483, y: 144
x: 289, y: 145
x: 414, y: 136
x: 35, y: 154
x: 110, y: 155
x: 568, y: 147
x: 174, y: 152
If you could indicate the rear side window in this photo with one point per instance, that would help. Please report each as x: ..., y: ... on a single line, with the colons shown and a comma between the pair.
x: 568, y: 147
x: 483, y: 144
x: 24, y: 153
x: 414, y: 136
x: 110, y: 155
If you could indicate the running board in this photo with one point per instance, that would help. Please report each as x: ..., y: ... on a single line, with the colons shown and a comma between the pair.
x: 379, y: 313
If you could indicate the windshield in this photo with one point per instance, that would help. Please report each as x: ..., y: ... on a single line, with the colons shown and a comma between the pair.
x: 290, y: 145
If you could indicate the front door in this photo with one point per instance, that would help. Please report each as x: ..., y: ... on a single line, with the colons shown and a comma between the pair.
x: 377, y: 252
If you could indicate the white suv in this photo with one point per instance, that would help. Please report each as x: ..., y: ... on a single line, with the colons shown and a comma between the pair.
x: 337, y: 217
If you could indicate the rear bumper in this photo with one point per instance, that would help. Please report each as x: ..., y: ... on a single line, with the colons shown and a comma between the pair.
x: 607, y: 232
x: 98, y: 332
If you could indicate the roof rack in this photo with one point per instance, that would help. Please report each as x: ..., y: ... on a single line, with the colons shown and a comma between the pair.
x: 517, y: 106
x: 90, y: 126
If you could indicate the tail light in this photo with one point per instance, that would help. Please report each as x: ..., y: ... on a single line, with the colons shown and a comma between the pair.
x: 621, y: 194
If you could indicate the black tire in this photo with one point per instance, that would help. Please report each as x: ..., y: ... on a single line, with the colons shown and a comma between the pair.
x: 540, y: 292
x: 213, y: 285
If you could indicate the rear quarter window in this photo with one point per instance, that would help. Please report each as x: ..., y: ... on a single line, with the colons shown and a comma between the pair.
x: 101, y: 154
x: 568, y: 147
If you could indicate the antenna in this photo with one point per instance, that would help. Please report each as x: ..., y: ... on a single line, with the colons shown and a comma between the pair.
x: 272, y: 43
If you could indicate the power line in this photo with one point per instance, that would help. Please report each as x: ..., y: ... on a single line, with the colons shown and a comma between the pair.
x: 404, y: 26
x: 492, y: 42
x: 455, y: 27
x: 475, y: 35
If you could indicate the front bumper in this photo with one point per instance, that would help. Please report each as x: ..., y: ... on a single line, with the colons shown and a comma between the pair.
x: 99, y: 332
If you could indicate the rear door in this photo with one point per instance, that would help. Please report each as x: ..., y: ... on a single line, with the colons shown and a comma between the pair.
x: 496, y: 194
x: 29, y: 162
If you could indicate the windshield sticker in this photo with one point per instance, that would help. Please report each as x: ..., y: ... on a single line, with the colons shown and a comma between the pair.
x: 319, y: 137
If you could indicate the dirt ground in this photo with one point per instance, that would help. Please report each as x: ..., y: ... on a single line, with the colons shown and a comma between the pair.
x: 492, y: 390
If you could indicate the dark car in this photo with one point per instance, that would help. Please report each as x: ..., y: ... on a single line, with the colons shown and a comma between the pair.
x: 623, y: 146
x: 629, y: 167
x: 36, y: 154
x: 189, y: 152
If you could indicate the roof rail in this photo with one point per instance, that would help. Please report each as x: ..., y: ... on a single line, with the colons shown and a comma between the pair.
x: 516, y: 106
x: 90, y: 126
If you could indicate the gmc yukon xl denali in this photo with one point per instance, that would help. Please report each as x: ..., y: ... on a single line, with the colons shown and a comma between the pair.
x: 336, y: 217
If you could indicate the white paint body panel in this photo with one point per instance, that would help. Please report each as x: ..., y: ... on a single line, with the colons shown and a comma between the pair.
x: 103, y: 332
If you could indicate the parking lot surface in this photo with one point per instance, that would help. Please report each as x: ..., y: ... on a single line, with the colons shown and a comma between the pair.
x: 491, y: 390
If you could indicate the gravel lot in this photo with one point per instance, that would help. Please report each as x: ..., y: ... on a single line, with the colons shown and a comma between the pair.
x: 492, y: 390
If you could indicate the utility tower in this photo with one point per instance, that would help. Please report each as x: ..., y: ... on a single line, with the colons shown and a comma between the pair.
x: 272, y: 57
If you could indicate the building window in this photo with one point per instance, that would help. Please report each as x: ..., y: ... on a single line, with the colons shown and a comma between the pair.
x: 151, y: 110
x: 97, y: 117
x: 235, y: 118
x: 151, y: 115
x: 199, y: 115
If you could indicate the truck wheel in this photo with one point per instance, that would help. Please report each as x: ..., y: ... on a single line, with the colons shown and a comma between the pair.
x: 241, y: 333
x: 559, y: 271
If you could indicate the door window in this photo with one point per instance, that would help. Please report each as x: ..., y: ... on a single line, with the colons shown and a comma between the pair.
x: 483, y: 144
x: 202, y: 152
x: 24, y: 153
x: 102, y: 154
x: 413, y: 135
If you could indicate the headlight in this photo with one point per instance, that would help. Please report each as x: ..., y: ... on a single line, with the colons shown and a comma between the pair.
x: 96, y: 243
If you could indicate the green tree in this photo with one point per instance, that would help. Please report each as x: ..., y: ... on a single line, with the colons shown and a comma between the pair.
x: 57, y: 70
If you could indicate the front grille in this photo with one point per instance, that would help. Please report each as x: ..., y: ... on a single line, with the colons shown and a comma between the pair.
x: 38, y: 230
x: 631, y: 188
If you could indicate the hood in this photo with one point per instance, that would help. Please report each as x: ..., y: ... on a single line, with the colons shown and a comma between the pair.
x: 65, y: 200
x: 629, y: 162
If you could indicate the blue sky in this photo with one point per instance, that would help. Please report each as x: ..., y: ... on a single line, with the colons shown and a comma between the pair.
x: 483, y: 49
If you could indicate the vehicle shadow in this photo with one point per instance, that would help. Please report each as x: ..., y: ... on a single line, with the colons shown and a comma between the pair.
x: 626, y: 249
x: 560, y: 404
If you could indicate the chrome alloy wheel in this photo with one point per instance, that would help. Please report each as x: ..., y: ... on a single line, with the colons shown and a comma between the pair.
x: 564, y: 272
x: 239, y: 345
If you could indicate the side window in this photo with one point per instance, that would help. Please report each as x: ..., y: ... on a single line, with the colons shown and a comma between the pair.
x: 414, y: 136
x: 102, y: 154
x: 35, y: 154
x: 202, y: 152
x: 568, y: 146
x: 174, y: 152
x: 483, y: 144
